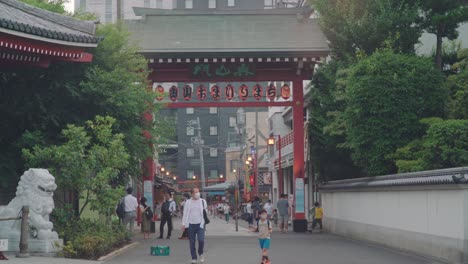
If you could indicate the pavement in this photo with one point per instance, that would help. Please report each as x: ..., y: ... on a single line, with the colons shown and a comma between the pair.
x: 225, y: 245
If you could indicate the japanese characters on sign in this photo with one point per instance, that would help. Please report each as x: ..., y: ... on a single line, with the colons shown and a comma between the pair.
x: 215, y: 92
x: 222, y: 70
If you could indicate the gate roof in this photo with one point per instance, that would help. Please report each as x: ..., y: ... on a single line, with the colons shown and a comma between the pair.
x: 215, y: 34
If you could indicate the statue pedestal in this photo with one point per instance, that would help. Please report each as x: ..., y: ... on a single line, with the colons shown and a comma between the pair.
x: 36, y: 246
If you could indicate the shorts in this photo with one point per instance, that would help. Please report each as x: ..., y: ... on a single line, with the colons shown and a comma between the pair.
x: 264, y: 243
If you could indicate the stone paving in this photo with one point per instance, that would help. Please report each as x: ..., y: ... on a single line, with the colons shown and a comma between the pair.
x: 225, y: 245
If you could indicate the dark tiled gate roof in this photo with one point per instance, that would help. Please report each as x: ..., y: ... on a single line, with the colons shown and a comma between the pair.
x: 19, y: 17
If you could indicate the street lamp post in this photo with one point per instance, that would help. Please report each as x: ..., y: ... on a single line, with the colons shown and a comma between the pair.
x: 271, y: 142
x: 236, y: 199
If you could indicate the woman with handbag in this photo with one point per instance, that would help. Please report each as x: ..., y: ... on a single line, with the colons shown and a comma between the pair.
x: 146, y: 216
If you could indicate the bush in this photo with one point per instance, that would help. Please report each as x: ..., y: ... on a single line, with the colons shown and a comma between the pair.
x: 88, y: 239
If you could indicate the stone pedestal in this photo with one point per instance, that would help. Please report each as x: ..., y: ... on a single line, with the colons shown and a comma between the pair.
x: 51, y: 246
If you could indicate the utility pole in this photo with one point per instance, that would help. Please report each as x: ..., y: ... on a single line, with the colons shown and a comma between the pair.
x: 256, y: 151
x: 202, y: 163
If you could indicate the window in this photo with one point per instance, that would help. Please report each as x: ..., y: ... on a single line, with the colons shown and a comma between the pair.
x: 108, y: 12
x: 146, y: 3
x: 213, y: 130
x: 159, y: 3
x: 232, y: 121
x: 83, y: 5
x: 212, y: 4
x: 190, y: 131
x: 213, y: 152
x: 190, y: 174
x: 189, y: 4
x: 234, y: 165
x: 268, y: 4
x: 214, y: 174
x: 231, y: 3
x: 190, y: 111
x: 213, y: 110
x: 190, y: 152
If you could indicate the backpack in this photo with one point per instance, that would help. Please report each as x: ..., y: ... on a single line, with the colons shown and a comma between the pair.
x: 165, y: 207
x: 257, y: 229
x: 120, y: 211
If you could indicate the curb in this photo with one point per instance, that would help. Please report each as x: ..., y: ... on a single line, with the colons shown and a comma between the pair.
x: 117, y: 252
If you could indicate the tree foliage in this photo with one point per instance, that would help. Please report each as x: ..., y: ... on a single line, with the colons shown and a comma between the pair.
x: 386, y: 97
x: 444, y: 145
x: 458, y: 87
x: 86, y: 162
x: 362, y: 26
x: 56, y: 6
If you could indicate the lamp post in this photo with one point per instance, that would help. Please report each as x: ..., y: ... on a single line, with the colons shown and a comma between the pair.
x: 236, y: 199
x: 271, y: 142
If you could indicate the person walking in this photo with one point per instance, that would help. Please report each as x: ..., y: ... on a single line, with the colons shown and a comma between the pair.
x: 146, y: 218
x: 264, y: 229
x: 193, y: 220
x: 131, y: 205
x: 283, y: 210
x: 226, y: 209
x: 248, y: 208
x: 268, y: 207
x: 167, y: 210
x: 256, y: 208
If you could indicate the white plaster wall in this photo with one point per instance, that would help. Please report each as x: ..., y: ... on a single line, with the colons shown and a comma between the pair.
x: 434, y: 212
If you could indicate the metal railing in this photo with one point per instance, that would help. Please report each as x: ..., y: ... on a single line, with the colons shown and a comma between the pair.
x: 23, y: 246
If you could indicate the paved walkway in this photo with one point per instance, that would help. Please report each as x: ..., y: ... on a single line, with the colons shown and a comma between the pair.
x: 225, y: 245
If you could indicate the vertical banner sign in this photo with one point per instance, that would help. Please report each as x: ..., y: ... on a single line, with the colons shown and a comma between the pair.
x: 173, y: 93
x: 300, y: 208
x: 148, y: 192
x: 243, y: 92
x: 257, y: 91
x: 285, y: 91
x: 271, y: 92
x: 187, y: 92
x: 159, y: 93
x: 201, y: 92
x: 215, y: 92
x: 229, y: 92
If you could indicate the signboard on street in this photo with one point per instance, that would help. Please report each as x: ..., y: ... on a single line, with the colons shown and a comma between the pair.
x: 300, y: 207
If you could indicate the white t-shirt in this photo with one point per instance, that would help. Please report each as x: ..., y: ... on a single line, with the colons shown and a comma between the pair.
x: 249, y: 208
x: 268, y: 208
x: 226, y: 209
x: 195, y: 215
x: 131, y: 203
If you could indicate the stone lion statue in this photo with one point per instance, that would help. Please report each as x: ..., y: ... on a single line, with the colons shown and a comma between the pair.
x: 35, y: 189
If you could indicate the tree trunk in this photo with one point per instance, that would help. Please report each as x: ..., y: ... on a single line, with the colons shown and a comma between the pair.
x: 438, y: 54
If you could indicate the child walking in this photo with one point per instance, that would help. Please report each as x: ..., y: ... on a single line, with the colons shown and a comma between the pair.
x: 264, y: 229
x: 318, y: 216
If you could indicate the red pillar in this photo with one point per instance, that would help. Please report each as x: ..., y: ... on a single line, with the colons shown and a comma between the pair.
x: 299, y: 222
x: 148, y: 165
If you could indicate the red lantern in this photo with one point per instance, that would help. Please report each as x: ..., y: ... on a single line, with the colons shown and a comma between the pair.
x: 243, y: 92
x: 215, y: 92
x: 285, y: 91
x: 159, y: 93
x: 173, y: 93
x: 251, y: 180
x: 271, y: 92
x: 229, y: 92
x: 201, y: 92
x: 187, y: 92
x: 257, y: 92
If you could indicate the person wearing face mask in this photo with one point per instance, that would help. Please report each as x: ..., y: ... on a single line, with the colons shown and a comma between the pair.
x: 264, y: 229
x: 194, y: 221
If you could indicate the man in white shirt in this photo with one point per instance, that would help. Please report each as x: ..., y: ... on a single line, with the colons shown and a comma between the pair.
x: 194, y: 220
x: 167, y: 210
x: 268, y: 207
x: 131, y: 205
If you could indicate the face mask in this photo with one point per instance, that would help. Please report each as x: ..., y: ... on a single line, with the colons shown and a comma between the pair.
x: 263, y: 216
x: 197, y: 195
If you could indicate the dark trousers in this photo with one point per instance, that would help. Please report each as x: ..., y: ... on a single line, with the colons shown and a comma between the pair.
x: 165, y: 218
x: 185, y: 233
x: 317, y: 221
x: 195, y: 232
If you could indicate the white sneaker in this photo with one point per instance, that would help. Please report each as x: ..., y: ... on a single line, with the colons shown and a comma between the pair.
x: 193, y: 261
x: 201, y: 259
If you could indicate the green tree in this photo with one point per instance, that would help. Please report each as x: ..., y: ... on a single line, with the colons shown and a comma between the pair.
x: 458, y: 87
x: 442, y: 18
x: 362, y: 26
x: 326, y: 125
x: 56, y: 6
x: 386, y: 96
x: 86, y: 162
x: 445, y: 145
